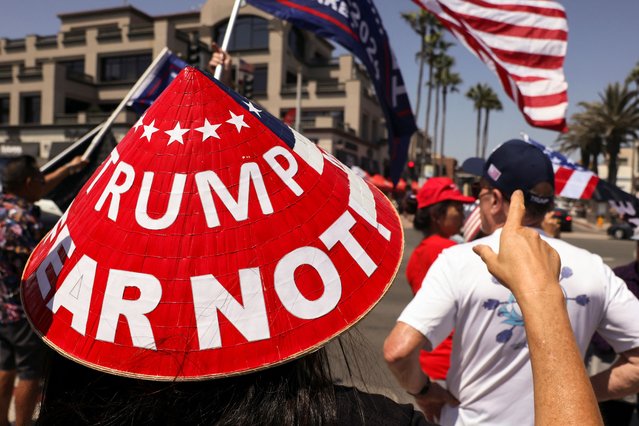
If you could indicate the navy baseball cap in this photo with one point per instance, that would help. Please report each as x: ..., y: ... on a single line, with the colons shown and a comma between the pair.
x: 515, y: 164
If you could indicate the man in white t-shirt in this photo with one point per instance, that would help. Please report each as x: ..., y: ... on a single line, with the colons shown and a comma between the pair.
x: 490, y: 378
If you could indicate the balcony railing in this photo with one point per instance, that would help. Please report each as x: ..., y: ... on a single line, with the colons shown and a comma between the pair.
x: 79, y: 77
x: 15, y: 44
x: 141, y: 31
x: 291, y: 90
x: 30, y: 73
x: 111, y: 33
x: 74, y: 37
x: 332, y: 87
x: 6, y: 73
x: 49, y: 41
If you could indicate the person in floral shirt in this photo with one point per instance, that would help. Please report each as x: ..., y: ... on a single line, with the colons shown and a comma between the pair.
x: 21, y: 351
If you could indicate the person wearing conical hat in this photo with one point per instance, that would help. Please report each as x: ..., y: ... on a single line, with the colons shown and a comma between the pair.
x: 198, y: 275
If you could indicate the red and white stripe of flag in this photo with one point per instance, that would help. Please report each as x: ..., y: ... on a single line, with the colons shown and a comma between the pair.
x: 524, y: 42
x: 571, y: 183
x: 472, y: 224
x: 246, y: 67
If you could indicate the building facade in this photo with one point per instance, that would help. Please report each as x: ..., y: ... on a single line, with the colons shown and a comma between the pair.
x: 54, y: 88
x: 627, y: 171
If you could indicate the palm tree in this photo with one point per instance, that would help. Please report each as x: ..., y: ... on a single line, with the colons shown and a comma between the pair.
x: 435, y: 45
x: 447, y: 81
x: 633, y: 76
x: 478, y: 94
x: 492, y: 103
x: 426, y: 25
x: 420, y: 22
x: 583, y: 135
x: 616, y: 115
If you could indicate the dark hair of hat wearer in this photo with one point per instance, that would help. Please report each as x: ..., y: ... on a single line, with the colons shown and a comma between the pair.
x: 300, y: 392
x: 16, y: 171
x: 423, y: 220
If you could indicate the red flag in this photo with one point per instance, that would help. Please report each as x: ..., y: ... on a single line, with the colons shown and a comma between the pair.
x: 523, y: 42
x: 289, y: 117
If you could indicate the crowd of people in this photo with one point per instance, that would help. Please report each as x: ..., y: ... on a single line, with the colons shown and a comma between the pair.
x: 496, y: 332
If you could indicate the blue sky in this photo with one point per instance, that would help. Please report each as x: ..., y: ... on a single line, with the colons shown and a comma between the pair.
x: 603, y: 47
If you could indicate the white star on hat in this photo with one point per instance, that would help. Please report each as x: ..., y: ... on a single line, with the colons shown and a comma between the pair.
x: 208, y: 130
x: 252, y: 108
x: 237, y: 121
x: 139, y: 122
x: 149, y: 130
x: 176, y: 134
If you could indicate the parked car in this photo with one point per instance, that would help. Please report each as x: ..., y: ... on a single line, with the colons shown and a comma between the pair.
x: 565, y: 220
x: 621, y: 231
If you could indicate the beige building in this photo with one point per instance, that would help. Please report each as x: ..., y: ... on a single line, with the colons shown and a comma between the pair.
x: 54, y: 88
x: 627, y: 171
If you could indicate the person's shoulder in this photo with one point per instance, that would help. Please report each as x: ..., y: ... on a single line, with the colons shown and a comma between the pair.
x: 565, y: 249
x: 357, y: 407
x: 441, y: 242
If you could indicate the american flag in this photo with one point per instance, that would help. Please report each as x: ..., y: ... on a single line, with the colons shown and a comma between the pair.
x: 571, y: 179
x: 246, y: 67
x: 524, y: 42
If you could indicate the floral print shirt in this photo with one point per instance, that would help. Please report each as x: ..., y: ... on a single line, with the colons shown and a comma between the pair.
x: 20, y: 231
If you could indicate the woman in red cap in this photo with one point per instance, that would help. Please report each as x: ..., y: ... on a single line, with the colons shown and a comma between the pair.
x: 439, y: 216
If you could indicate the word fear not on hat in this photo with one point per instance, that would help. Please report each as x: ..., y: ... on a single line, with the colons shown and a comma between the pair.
x: 214, y: 241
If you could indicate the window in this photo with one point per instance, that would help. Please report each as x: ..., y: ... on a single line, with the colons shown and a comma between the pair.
x: 4, y: 109
x: 123, y: 68
x: 74, y: 67
x: 30, y: 109
x: 250, y: 32
x: 73, y: 106
x: 260, y: 78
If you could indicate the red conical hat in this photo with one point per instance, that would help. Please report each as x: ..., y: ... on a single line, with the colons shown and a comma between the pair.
x: 214, y: 241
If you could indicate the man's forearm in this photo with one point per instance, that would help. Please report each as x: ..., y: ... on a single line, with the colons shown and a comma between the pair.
x: 409, y: 374
x: 620, y: 380
x: 560, y: 380
x: 401, y: 351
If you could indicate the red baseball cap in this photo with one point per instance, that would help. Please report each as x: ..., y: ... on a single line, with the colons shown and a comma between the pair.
x: 439, y: 189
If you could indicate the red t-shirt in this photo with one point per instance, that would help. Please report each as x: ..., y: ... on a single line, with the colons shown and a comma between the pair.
x: 435, y: 363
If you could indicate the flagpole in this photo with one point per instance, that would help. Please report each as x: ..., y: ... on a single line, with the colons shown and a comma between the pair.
x: 120, y: 107
x: 298, y: 99
x: 227, y: 35
x: 49, y: 164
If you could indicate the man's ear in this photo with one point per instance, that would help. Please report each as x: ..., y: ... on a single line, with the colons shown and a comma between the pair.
x: 499, y: 205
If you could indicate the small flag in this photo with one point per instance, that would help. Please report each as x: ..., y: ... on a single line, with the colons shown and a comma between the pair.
x: 571, y: 179
x: 289, y: 117
x: 166, y: 69
x: 246, y: 67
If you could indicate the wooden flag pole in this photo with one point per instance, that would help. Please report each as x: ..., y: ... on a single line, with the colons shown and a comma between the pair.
x: 227, y: 35
x: 120, y: 107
